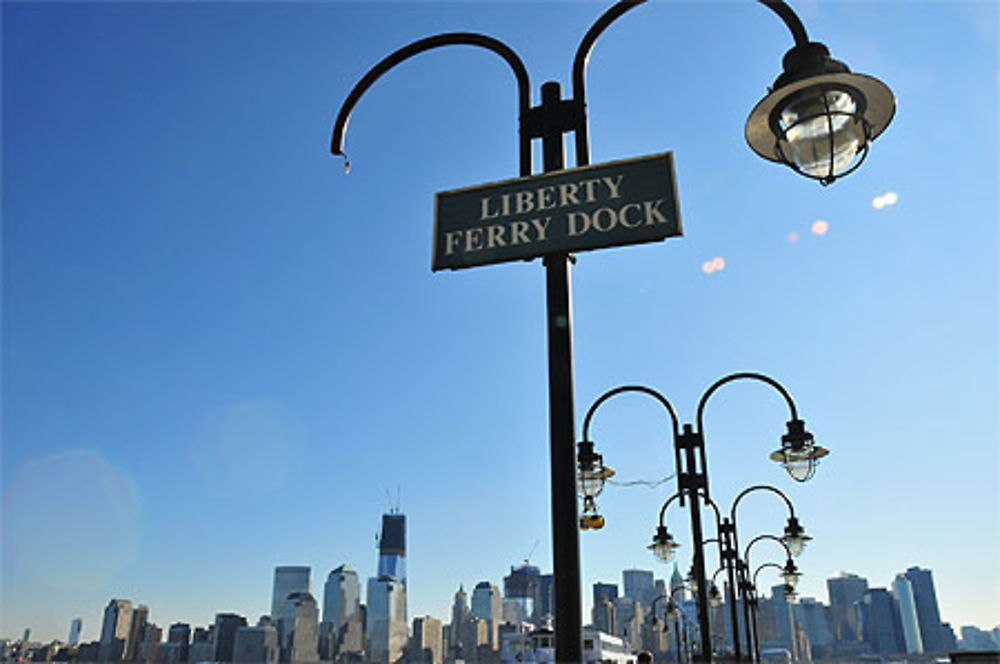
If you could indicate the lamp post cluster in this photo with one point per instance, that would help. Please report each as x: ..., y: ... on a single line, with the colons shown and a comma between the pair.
x: 799, y: 454
x: 818, y: 118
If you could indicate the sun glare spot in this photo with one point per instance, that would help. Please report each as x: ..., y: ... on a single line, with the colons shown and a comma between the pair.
x: 793, y: 237
x: 820, y: 227
x: 885, y: 200
x: 715, y: 265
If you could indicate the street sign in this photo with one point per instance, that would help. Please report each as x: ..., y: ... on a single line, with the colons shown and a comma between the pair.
x: 605, y: 205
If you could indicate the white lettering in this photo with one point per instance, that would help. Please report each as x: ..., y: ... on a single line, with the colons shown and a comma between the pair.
x: 652, y: 212
x: 474, y: 239
x: 572, y: 217
x: 541, y: 227
x: 613, y: 186
x: 610, y: 214
x: 623, y: 215
x: 451, y: 240
x: 494, y: 236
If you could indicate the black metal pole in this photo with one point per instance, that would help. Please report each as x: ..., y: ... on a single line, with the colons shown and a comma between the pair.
x: 565, y: 537
x: 691, y: 479
x: 728, y: 535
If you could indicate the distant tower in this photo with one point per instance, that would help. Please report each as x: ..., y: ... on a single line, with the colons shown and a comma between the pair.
x: 224, y: 635
x: 903, y: 592
x: 256, y: 645
x: 115, y: 629
x: 303, y: 629
x: 341, y: 627
x: 524, y: 587
x: 846, y: 592
x: 75, y: 627
x: 427, y: 643
x: 639, y: 585
x: 287, y: 580
x: 387, y: 631
x: 487, y: 604
x: 677, y: 581
x: 882, y: 628
x: 136, y: 630
x: 928, y: 615
x: 459, y: 616
x: 392, y: 547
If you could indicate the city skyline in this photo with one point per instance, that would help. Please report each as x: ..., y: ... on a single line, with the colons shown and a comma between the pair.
x: 220, y: 352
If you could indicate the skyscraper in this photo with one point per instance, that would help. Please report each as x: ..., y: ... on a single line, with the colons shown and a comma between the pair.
x: 459, y: 616
x: 224, y: 635
x: 136, y: 630
x: 639, y: 585
x: 427, y: 645
x: 256, y: 645
x: 846, y: 592
x: 341, y: 609
x: 608, y: 591
x: 115, y: 630
x: 928, y: 615
x: 302, y: 633
x: 902, y: 591
x: 523, y: 586
x: 386, y: 629
x: 75, y: 627
x: 392, y: 547
x: 488, y: 605
x: 882, y: 628
x: 288, y: 579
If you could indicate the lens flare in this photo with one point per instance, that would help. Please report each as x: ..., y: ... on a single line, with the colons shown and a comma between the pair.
x: 820, y: 227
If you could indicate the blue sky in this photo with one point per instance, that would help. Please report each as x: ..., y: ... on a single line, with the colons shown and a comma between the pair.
x: 222, y: 354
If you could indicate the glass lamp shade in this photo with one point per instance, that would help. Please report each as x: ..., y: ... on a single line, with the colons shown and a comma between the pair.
x: 790, y: 574
x: 820, y: 133
x: 795, y: 537
x: 664, y: 545
x: 714, y: 597
x: 692, y: 581
x: 819, y: 118
x: 789, y: 593
x: 672, y: 609
x: 799, y: 454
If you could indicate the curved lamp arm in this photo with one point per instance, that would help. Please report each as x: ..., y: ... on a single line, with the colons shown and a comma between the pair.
x: 644, y: 390
x: 426, y: 44
x: 742, y: 376
x: 746, y: 551
x: 708, y: 501
x: 760, y: 487
x: 764, y: 566
x: 779, y: 7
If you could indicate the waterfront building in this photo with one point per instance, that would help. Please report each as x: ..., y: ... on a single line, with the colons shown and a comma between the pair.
x: 224, y: 635
x: 392, y: 547
x: 75, y: 628
x: 846, y: 592
x: 341, y: 626
x: 487, y: 605
x: 256, y: 645
x: 386, y: 629
x: 115, y: 630
x: 302, y: 631
x: 523, y: 586
x: 639, y: 585
x: 928, y: 615
x: 427, y: 642
x: 882, y: 627
x: 288, y: 580
x: 902, y: 591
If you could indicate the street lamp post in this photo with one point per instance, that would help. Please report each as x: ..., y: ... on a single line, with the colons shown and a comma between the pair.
x: 819, y: 119
x: 797, y: 444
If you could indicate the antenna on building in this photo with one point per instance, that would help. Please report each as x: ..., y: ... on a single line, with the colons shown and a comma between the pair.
x: 527, y: 558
